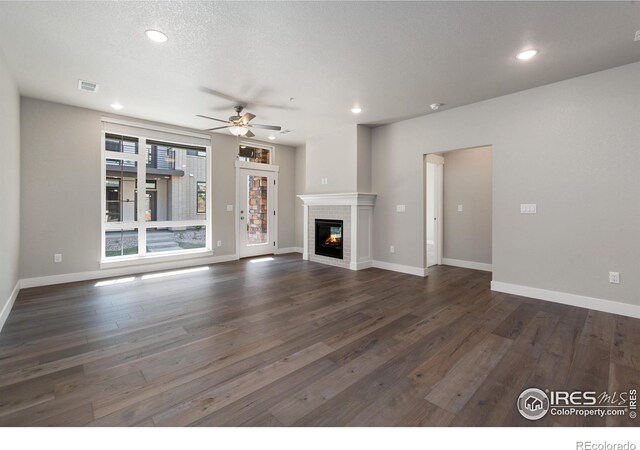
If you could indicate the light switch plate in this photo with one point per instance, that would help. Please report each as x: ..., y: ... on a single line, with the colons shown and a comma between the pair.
x: 229, y: 208
x: 401, y: 208
x: 614, y: 277
x: 219, y: 243
x: 459, y: 208
x: 528, y: 208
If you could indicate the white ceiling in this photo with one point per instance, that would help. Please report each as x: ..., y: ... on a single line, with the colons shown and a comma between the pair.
x: 392, y: 58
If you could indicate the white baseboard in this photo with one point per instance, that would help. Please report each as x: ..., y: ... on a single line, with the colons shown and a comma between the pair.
x: 121, y: 271
x: 282, y: 251
x: 6, y: 308
x: 467, y: 264
x: 598, y: 304
x: 360, y: 265
x: 419, y: 271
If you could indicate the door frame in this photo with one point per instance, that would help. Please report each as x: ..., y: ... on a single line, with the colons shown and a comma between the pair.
x: 439, y: 206
x: 269, y: 170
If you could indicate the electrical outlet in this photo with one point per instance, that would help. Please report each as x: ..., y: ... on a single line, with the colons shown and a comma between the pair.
x: 637, y: 37
x: 57, y: 258
x: 614, y: 277
x: 324, y: 181
x: 392, y: 249
x: 229, y: 208
x: 219, y: 243
x: 528, y: 208
x: 459, y: 208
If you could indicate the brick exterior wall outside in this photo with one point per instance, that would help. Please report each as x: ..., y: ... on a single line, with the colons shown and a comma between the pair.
x: 257, y: 210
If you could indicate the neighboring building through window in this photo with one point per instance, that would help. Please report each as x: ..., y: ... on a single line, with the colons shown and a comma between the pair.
x: 170, y: 215
x: 199, y: 153
x: 250, y: 153
x: 201, y: 198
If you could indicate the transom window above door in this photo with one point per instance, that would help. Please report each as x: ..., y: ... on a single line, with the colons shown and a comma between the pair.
x: 255, y: 154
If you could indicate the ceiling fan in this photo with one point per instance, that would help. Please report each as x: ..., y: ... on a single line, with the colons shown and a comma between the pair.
x: 239, y: 125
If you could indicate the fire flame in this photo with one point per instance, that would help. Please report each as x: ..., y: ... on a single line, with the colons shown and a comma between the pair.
x: 333, y: 239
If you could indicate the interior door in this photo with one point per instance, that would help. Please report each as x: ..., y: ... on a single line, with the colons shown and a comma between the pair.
x: 434, y: 196
x: 256, y: 210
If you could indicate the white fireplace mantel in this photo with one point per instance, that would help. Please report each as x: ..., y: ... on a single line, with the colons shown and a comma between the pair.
x: 361, y: 220
x: 349, y: 198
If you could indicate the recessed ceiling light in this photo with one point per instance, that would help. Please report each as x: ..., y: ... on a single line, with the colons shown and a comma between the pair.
x: 527, y: 54
x: 272, y: 137
x: 156, y: 36
x: 116, y: 106
x: 356, y: 110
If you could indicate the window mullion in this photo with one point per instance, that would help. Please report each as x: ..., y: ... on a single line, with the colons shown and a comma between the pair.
x: 142, y: 191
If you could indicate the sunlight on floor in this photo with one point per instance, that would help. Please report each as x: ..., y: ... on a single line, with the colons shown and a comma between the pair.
x: 259, y: 260
x: 174, y: 272
x: 116, y: 281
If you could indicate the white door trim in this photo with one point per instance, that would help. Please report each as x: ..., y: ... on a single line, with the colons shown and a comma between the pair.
x: 270, y: 170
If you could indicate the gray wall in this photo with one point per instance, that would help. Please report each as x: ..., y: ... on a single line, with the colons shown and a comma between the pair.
x: 570, y: 147
x: 300, y: 187
x: 9, y: 183
x: 286, y: 159
x: 61, y: 189
x: 364, y: 158
x: 467, y: 182
x: 333, y: 156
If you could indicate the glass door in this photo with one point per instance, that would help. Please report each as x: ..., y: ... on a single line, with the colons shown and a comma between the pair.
x: 256, y: 211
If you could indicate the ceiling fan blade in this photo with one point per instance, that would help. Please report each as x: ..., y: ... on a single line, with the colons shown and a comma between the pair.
x: 217, y: 128
x: 265, y: 127
x: 249, y: 134
x: 247, y: 117
x: 212, y: 118
x: 224, y: 96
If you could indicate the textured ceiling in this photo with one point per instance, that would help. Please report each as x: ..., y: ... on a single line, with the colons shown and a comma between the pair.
x: 392, y: 58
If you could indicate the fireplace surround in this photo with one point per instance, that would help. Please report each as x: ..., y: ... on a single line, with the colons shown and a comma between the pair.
x: 355, y: 211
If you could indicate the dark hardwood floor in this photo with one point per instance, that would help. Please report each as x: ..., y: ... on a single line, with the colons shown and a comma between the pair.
x: 290, y: 342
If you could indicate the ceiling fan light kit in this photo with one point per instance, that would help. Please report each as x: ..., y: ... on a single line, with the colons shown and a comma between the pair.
x: 238, y: 130
x: 239, y: 125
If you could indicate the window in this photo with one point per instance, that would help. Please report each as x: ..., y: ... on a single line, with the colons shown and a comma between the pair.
x: 163, y: 218
x: 201, y: 197
x: 122, y: 144
x: 250, y: 153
